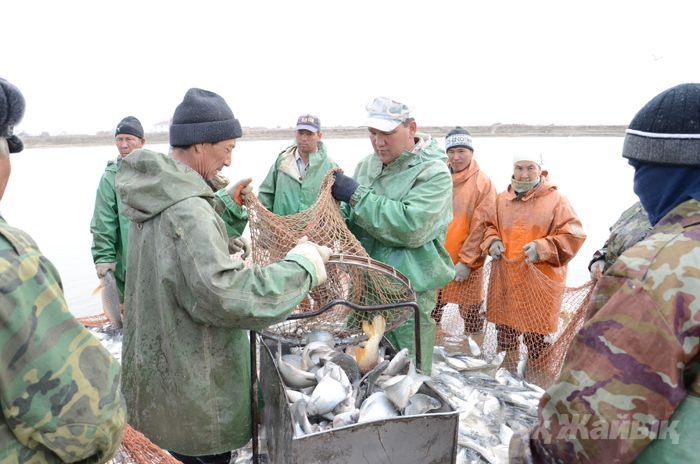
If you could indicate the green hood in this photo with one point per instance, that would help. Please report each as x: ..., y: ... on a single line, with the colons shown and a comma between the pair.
x: 149, y: 182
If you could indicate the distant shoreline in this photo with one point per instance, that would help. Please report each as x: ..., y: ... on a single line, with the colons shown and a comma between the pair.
x: 259, y: 133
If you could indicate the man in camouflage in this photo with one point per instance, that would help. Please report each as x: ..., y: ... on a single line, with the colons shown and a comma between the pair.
x: 632, y: 226
x: 629, y: 390
x: 59, y: 387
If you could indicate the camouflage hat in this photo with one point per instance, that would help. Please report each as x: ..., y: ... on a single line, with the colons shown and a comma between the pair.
x: 385, y: 114
x: 11, y: 113
x: 667, y: 129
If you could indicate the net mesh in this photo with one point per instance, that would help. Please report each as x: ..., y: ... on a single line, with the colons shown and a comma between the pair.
x: 353, y: 277
x: 137, y: 449
x: 511, y: 306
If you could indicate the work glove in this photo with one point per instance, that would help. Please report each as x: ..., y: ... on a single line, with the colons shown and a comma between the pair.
x: 530, y: 251
x: 237, y: 244
x: 317, y: 254
x: 11, y: 113
x: 103, y: 268
x: 240, y: 191
x: 343, y: 187
x: 462, y: 272
x: 496, y: 249
x: 596, y: 269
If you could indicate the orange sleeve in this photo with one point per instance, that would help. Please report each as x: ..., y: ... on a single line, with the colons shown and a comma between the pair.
x: 565, y: 238
x: 471, y: 252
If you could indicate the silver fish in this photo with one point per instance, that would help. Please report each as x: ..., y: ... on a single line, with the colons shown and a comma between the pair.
x: 421, y: 403
x: 320, y: 336
x: 326, y: 396
x: 300, y: 417
x: 399, y: 363
x: 292, y: 376
x: 474, y: 347
x: 401, y: 388
x: 110, y: 299
x: 293, y: 396
x: 377, y: 407
x: 346, y: 418
x: 312, y: 354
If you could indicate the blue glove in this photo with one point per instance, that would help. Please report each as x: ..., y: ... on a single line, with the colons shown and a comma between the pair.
x: 343, y: 187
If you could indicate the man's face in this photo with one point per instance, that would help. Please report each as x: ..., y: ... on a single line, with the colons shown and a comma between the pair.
x: 307, y: 141
x: 4, y: 165
x: 389, y: 145
x: 526, y: 171
x: 459, y: 158
x: 127, y: 143
x: 214, y: 157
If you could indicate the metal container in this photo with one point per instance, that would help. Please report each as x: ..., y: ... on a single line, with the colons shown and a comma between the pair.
x: 420, y: 439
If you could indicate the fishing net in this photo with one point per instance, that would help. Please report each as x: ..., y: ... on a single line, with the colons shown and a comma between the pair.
x: 355, y: 282
x: 137, y: 449
x: 512, y: 306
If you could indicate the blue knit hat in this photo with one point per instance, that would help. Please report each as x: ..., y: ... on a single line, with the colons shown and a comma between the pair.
x: 11, y: 112
x: 459, y: 137
x: 203, y: 117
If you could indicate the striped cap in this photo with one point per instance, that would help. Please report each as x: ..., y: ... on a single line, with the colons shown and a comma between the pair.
x: 667, y: 129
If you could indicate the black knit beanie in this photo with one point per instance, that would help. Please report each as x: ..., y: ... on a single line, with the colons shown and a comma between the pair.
x: 131, y: 126
x: 667, y: 129
x: 11, y: 112
x: 459, y: 137
x: 203, y: 117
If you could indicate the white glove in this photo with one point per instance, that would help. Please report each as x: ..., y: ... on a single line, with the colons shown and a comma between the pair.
x: 317, y: 254
x: 240, y: 191
x: 597, y: 269
x: 530, y: 251
x: 462, y: 272
x: 496, y: 249
x: 103, y: 268
x: 237, y: 244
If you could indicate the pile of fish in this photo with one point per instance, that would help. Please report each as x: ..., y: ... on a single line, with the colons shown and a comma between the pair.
x: 493, y: 404
x: 329, y: 387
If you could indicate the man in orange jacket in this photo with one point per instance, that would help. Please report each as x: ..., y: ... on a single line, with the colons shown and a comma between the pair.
x: 473, y: 200
x: 533, y: 225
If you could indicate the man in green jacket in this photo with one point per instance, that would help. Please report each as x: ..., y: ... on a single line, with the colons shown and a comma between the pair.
x: 398, y: 204
x: 294, y: 181
x: 185, y: 355
x: 59, y: 387
x: 109, y: 227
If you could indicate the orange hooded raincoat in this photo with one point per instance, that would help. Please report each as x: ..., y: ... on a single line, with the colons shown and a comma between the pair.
x: 473, y: 201
x: 530, y: 296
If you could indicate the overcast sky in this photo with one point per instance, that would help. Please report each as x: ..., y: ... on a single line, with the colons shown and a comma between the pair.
x: 83, y: 65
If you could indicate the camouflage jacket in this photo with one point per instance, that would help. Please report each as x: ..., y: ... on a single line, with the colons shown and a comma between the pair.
x: 59, y: 387
x: 631, y: 364
x: 632, y: 226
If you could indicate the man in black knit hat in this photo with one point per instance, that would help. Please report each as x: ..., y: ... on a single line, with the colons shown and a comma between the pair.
x: 630, y: 391
x: 108, y: 226
x: 186, y: 354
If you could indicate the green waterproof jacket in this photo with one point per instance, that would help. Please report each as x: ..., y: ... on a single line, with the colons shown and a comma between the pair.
x: 109, y: 227
x: 283, y: 192
x: 185, y: 354
x: 400, y: 213
x: 59, y: 387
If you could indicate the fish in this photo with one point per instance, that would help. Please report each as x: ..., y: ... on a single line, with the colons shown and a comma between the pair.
x: 399, y: 363
x: 293, y: 396
x: 348, y: 364
x: 110, y: 299
x: 474, y: 347
x: 320, y: 336
x: 420, y: 403
x: 346, y: 418
x: 368, y: 356
x: 377, y: 407
x: 312, y: 354
x: 328, y: 393
x: 522, y: 367
x: 399, y: 389
x: 293, y: 376
x: 301, y: 419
